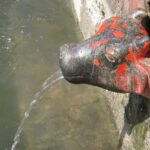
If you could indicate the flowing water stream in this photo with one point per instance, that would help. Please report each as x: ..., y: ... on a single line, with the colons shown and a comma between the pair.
x: 38, y: 96
x: 65, y: 117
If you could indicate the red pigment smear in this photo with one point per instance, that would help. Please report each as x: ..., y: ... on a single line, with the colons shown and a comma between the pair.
x: 138, y: 37
x: 123, y: 78
x: 96, y: 62
x: 131, y: 56
x: 116, y: 18
x: 103, y: 27
x: 122, y: 68
x: 114, y: 26
x: 141, y: 82
x: 99, y: 43
x: 140, y: 53
x: 118, y: 34
x: 116, y: 21
x: 145, y: 69
x: 143, y: 31
x: 138, y: 85
x: 145, y: 52
x: 147, y: 49
x: 124, y: 25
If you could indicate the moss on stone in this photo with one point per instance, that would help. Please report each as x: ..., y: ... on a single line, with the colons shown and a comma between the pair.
x: 139, y: 135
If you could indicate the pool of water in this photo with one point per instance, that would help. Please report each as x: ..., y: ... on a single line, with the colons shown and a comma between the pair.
x: 68, y: 117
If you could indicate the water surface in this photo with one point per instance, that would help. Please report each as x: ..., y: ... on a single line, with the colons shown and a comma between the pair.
x: 68, y: 117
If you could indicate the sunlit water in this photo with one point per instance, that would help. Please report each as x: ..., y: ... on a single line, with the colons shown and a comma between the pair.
x: 46, y: 85
x: 66, y: 117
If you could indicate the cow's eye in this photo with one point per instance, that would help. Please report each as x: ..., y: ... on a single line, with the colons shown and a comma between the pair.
x: 112, y: 55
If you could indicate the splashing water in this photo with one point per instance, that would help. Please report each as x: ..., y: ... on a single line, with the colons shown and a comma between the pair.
x: 37, y: 97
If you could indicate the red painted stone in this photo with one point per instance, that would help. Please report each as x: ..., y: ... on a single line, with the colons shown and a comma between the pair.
x: 118, y: 34
x: 96, y: 62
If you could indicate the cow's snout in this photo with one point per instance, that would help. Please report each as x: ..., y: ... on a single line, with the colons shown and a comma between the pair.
x: 73, y: 62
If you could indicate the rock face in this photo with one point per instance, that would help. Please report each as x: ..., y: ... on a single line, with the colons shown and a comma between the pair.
x: 131, y: 112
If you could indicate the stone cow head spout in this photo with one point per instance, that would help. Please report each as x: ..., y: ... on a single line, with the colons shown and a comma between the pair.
x: 117, y: 58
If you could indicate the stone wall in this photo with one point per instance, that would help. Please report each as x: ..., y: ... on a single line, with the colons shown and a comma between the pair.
x: 131, y: 112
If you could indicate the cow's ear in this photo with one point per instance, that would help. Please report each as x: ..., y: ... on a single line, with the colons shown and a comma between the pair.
x: 139, y: 14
